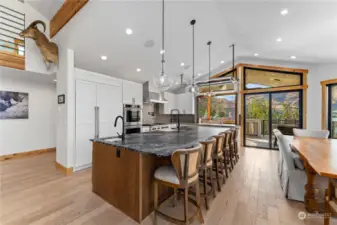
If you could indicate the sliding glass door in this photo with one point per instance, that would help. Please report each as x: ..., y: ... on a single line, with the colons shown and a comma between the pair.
x: 267, y: 111
x: 332, y: 110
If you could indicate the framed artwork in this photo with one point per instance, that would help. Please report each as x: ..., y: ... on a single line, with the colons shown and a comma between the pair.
x: 14, y: 105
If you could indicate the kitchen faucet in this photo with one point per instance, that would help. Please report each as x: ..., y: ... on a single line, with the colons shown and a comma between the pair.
x: 123, y: 134
x: 177, y: 110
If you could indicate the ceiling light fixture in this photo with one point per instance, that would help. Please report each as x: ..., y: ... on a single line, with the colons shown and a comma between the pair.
x: 256, y: 54
x: 199, y: 74
x: 162, y: 51
x: 210, y: 93
x: 222, y: 62
x: 293, y: 57
x: 162, y: 81
x: 128, y: 31
x: 103, y: 57
x: 284, y: 12
x: 193, y: 88
x: 279, y: 39
x: 182, y: 64
x: 139, y: 69
x: 55, y: 80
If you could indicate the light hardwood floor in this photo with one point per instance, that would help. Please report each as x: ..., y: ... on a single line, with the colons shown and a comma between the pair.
x: 33, y: 192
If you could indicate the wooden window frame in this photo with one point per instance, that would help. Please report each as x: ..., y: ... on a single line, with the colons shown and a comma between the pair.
x: 209, y: 106
x: 302, y: 87
x: 324, y: 85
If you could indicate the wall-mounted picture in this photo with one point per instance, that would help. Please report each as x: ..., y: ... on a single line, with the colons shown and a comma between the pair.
x: 13, y: 105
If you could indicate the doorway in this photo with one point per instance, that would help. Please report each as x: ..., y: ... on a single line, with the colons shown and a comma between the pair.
x: 266, y: 111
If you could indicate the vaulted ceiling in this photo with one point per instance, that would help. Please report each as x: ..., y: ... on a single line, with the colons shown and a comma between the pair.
x: 308, y: 32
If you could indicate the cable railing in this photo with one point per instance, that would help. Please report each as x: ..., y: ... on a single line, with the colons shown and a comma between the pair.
x: 11, y: 24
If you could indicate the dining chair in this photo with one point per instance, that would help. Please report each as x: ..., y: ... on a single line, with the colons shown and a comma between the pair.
x: 182, y: 174
x: 311, y: 133
x: 330, y: 201
x: 218, y: 159
x: 206, y: 167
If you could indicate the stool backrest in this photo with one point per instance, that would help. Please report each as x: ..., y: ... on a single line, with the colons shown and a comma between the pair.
x: 186, y: 162
x: 227, y: 138
x: 207, y: 150
x: 219, y: 143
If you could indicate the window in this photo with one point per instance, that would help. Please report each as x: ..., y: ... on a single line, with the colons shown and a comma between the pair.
x: 259, y: 79
x: 220, y: 109
x: 332, y: 110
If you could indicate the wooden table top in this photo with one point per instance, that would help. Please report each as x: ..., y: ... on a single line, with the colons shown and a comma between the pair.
x: 321, y: 154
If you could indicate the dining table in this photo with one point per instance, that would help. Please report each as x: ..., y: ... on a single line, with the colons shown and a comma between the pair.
x: 320, y: 158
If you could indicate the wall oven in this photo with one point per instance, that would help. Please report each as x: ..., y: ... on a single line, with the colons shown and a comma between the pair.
x: 132, y: 115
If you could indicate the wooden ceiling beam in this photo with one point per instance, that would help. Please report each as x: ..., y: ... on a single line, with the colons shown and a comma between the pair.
x: 67, y: 11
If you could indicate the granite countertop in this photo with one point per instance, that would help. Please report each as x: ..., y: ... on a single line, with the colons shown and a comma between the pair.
x: 161, y: 143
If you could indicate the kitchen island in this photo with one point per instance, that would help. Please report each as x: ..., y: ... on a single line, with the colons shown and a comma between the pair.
x: 122, y: 171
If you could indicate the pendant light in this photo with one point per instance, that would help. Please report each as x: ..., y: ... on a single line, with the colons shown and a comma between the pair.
x: 193, y: 88
x: 210, y: 93
x: 162, y: 81
x: 235, y: 82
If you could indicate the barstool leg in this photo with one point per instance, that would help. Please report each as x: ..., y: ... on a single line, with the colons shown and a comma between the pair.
x: 217, y: 174
x: 197, y: 196
x: 186, y: 205
x: 175, y: 197
x: 223, y: 170
x: 155, y: 202
x: 205, y: 188
x: 225, y: 167
x: 212, y: 181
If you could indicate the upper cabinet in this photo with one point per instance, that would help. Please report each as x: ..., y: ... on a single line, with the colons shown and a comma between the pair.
x: 132, y: 93
x: 171, y: 102
x: 185, y: 103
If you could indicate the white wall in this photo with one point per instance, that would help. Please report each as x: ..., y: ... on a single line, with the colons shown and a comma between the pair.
x: 316, y: 75
x: 33, y: 57
x: 39, y: 130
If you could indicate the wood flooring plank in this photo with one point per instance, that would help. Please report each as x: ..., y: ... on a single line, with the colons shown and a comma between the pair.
x: 32, y: 192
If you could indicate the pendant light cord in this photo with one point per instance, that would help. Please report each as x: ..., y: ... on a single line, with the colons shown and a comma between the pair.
x: 209, y: 66
x: 193, y: 22
x: 233, y: 56
x: 163, y: 40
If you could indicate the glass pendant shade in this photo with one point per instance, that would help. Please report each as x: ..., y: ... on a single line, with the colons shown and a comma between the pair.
x: 162, y: 82
x: 194, y: 89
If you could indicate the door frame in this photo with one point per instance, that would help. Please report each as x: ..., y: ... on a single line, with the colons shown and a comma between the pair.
x: 270, y: 114
x: 303, y: 87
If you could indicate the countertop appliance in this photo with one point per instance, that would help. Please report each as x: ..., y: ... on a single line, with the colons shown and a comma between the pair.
x: 132, y: 118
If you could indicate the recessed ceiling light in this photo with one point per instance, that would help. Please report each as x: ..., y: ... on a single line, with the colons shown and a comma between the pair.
x: 177, y: 82
x: 162, y: 51
x: 55, y: 80
x: 128, y: 31
x: 182, y: 64
x: 103, y: 57
x: 279, y: 39
x: 284, y: 12
x: 199, y: 74
x: 222, y: 62
x: 256, y: 54
x: 139, y: 69
x: 293, y: 57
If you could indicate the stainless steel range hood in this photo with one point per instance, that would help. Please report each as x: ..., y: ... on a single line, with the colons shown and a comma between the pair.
x: 152, y: 97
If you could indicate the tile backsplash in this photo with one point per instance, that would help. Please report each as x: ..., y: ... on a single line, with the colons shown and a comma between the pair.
x: 151, y: 115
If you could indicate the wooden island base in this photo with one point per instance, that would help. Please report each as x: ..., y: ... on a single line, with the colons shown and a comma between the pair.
x: 124, y: 178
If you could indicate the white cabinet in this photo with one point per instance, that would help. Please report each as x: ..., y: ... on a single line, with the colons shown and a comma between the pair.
x: 185, y: 103
x: 99, y: 102
x: 132, y: 93
x: 171, y: 102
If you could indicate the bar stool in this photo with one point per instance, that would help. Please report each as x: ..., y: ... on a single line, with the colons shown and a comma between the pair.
x: 206, y: 166
x: 330, y: 201
x: 183, y: 174
x: 236, y: 145
x: 227, y: 151
x: 218, y: 159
